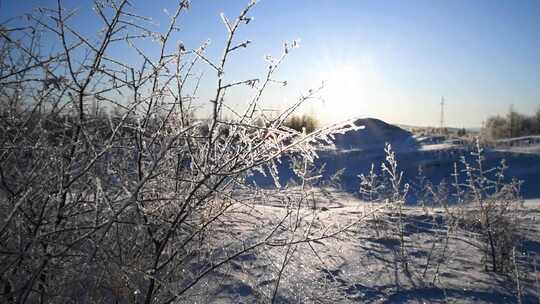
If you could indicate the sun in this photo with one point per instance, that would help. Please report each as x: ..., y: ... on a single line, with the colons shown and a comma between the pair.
x: 341, y: 84
x: 351, y: 90
x: 344, y: 92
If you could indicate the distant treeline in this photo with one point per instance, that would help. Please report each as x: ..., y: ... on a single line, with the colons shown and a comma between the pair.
x: 514, y: 124
x: 308, y: 122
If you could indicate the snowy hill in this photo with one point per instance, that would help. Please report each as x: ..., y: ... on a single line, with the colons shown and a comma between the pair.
x: 374, y: 135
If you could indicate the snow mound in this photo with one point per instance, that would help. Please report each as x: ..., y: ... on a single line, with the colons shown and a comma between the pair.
x: 374, y: 135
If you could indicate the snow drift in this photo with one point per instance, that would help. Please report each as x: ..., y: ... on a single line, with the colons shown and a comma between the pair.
x: 374, y: 135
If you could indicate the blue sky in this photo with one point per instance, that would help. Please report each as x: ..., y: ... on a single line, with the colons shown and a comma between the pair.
x: 387, y: 59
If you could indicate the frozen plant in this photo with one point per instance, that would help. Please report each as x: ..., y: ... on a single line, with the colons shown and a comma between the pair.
x: 496, y: 204
x: 113, y: 189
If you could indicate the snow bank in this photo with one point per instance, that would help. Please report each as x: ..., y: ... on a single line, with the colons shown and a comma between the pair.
x: 374, y: 135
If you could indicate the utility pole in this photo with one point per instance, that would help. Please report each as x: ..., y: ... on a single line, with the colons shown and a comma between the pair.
x: 442, y: 115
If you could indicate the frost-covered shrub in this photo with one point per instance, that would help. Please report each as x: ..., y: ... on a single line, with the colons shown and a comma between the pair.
x: 483, y: 201
x: 388, y: 187
x: 493, y: 204
x: 480, y: 200
x: 112, y: 187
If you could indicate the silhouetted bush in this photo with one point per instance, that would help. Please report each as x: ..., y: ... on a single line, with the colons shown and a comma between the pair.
x: 298, y: 123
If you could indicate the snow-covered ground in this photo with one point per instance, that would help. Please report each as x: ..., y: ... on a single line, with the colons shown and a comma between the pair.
x: 362, y: 264
x: 530, y: 149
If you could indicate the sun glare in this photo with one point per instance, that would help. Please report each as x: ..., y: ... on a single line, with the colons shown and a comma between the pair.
x: 341, y: 84
x: 351, y: 90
